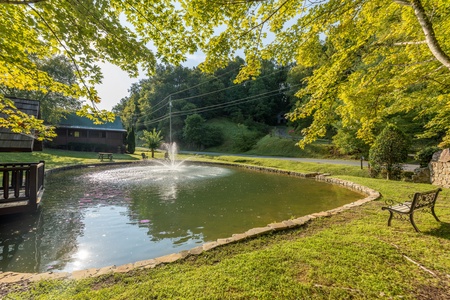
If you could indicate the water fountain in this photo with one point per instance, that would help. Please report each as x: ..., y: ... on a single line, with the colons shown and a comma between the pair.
x: 170, y: 156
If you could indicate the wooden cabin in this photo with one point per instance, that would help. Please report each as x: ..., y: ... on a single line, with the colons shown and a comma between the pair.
x: 15, y: 142
x: 81, y: 134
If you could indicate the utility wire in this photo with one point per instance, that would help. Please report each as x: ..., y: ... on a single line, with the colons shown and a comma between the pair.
x: 224, y: 89
x: 208, y: 93
x: 220, y: 105
x: 190, y: 88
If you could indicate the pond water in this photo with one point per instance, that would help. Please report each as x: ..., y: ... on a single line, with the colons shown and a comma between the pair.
x: 97, y: 217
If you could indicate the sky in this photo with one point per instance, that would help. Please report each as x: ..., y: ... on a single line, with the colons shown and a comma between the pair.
x: 115, y: 83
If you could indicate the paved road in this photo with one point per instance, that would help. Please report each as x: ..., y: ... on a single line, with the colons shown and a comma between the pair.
x: 406, y: 167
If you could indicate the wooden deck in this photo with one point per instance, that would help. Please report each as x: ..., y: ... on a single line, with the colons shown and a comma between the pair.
x: 22, y: 187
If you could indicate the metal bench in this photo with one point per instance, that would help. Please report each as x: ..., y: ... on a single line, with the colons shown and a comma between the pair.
x: 424, y: 201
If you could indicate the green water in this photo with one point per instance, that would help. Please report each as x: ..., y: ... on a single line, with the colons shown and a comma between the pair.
x: 96, y: 217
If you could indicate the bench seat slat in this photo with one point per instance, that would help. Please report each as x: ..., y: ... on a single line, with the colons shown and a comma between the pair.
x: 404, y: 207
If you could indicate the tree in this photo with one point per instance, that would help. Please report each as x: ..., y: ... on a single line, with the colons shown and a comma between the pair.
x: 370, y: 58
x: 131, y: 141
x: 87, y: 33
x: 194, y: 129
x: 53, y: 105
x: 389, y: 151
x: 152, y: 139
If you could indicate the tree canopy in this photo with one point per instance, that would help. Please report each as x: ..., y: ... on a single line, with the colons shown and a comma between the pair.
x: 86, y: 32
x: 369, y: 59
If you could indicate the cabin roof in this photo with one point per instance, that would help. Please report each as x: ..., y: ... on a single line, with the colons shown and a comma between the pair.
x: 10, y: 141
x: 74, y: 121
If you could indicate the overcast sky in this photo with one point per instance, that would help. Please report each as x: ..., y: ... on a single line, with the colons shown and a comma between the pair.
x: 117, y: 82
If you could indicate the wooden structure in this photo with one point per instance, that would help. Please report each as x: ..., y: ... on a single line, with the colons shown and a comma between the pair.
x: 22, y: 186
x: 14, y: 142
x: 425, y: 201
x: 81, y: 134
x: 103, y: 155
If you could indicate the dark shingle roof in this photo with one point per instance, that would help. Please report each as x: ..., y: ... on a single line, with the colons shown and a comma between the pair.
x: 10, y: 141
x: 76, y: 122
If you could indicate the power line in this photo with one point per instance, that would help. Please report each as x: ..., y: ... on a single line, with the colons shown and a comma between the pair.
x: 220, y: 105
x: 226, y: 88
x: 190, y: 88
x: 208, y: 93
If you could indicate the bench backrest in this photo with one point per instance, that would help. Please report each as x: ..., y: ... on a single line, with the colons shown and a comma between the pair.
x: 425, y: 199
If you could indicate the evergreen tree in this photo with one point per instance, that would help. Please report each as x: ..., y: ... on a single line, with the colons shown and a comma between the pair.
x: 131, y: 141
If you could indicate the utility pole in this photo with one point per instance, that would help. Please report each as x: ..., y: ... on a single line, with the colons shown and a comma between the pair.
x: 170, y: 119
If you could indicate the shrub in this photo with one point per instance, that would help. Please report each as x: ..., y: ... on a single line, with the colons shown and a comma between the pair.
x: 388, y: 152
x: 424, y: 156
x: 213, y: 136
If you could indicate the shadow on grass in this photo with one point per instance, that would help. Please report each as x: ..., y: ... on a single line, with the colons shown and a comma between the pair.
x: 443, y: 231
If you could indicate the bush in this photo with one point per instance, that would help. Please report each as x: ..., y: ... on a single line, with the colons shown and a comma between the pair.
x: 213, y: 136
x: 388, y: 152
x: 89, y: 147
x: 245, y: 141
x: 425, y: 155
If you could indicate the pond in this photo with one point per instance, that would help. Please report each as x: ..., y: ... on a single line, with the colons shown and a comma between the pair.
x: 101, y: 216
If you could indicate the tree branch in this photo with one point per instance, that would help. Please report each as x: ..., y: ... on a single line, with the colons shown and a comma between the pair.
x: 69, y: 53
x: 410, y: 43
x: 266, y: 19
x: 25, y: 2
x: 428, y: 30
x: 402, y: 2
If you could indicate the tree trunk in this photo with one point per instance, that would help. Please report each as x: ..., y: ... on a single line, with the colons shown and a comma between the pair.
x: 153, y: 153
x: 428, y: 30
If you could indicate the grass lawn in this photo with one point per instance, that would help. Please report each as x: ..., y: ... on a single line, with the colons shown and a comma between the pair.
x: 352, y: 255
x: 59, y: 158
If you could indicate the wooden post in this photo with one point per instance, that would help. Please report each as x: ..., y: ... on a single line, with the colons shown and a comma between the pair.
x: 5, y: 184
x: 33, y: 187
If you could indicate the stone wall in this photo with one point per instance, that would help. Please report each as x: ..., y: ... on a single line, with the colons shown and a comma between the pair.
x: 440, y: 168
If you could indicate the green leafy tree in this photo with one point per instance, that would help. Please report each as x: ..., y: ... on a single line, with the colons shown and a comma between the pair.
x: 193, y: 130
x: 389, y: 151
x: 53, y: 105
x: 152, y: 139
x: 370, y: 58
x: 347, y: 143
x: 131, y: 141
x: 86, y: 32
x: 425, y: 155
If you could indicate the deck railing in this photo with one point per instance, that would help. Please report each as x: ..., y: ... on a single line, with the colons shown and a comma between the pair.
x: 22, y: 185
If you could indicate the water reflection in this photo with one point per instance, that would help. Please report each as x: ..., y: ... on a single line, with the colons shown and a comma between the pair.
x: 100, y: 217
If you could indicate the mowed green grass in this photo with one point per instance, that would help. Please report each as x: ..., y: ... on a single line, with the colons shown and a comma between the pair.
x: 59, y: 158
x: 352, y: 255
